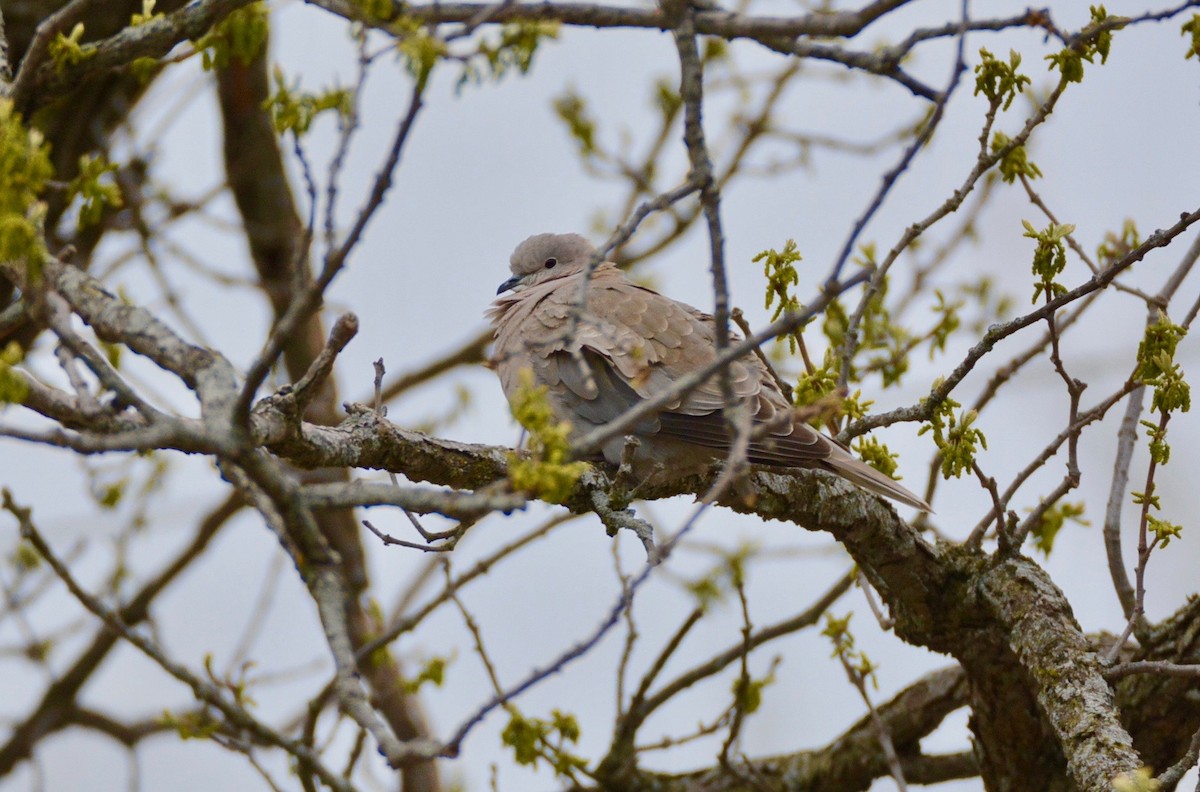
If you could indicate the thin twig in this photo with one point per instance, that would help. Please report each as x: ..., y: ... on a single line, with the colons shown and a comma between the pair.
x: 1126, y: 440
x: 203, y: 690
x: 1174, y: 774
x: 311, y: 295
x: 1159, y: 667
x: 35, y: 53
x: 998, y: 332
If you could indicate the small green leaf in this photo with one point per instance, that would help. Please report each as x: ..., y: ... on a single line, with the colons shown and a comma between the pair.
x: 533, y: 739
x: 565, y: 724
x: 1095, y: 39
x: 1053, y: 519
x: 1069, y: 63
x: 811, y: 388
x: 1049, y: 258
x: 25, y: 556
x: 667, y: 98
x: 1160, y: 452
x: 1141, y: 499
x: 13, y: 387
x: 191, y: 725
x: 110, y: 496
x: 706, y: 589
x: 518, y: 43
x: 1115, y: 247
x: 1140, y: 780
x: 95, y: 188
x: 877, y: 455
x: 67, y: 51
x: 241, y: 36
x: 1016, y: 162
x: 572, y: 110
x: 838, y: 631
x: 433, y: 672
x: 1000, y: 82
x: 948, y: 322
x: 147, y: 14
x: 1163, y: 531
x: 956, y: 438
x: 1191, y: 28
x: 294, y: 111
x: 1157, y: 366
x: 24, y: 171
x: 748, y: 693
x: 418, y: 47
x: 547, y: 472
x: 375, y: 10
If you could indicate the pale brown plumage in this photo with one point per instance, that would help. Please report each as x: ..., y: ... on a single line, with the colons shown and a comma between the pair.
x: 631, y: 343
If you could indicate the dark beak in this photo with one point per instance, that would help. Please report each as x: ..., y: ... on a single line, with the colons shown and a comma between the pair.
x: 511, y: 283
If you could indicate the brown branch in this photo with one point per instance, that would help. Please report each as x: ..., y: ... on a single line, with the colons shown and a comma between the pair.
x: 853, y: 760
x: 1126, y: 440
x: 998, y: 332
x: 708, y: 23
x: 45, y: 81
x: 35, y: 54
x: 58, y: 702
x: 236, y: 715
x: 469, y: 352
x: 279, y: 249
x: 128, y: 734
x: 1185, y: 671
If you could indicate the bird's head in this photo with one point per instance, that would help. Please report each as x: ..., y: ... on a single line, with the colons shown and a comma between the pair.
x: 545, y: 257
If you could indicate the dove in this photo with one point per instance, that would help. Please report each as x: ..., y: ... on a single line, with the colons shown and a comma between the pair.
x: 628, y: 344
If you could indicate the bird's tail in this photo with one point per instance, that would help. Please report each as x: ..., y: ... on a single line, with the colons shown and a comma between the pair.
x: 869, y: 478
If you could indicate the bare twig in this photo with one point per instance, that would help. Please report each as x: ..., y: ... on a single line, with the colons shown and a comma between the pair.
x: 1126, y: 440
x: 998, y: 332
x: 742, y: 686
x: 888, y: 181
x: 885, y: 622
x: 1159, y: 667
x: 306, y: 388
x: 35, y: 53
x: 1174, y: 774
x: 311, y: 295
x: 237, y: 715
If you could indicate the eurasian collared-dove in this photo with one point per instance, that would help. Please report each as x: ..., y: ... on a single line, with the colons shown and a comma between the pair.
x: 630, y: 343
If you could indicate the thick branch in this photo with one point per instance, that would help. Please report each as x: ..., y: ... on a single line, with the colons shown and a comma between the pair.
x: 853, y: 760
x: 709, y: 23
x: 47, y: 80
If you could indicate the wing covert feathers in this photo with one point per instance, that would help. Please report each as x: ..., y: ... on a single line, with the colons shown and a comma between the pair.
x: 630, y: 344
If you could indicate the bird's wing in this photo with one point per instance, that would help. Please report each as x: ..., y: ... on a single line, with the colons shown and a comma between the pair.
x: 631, y: 344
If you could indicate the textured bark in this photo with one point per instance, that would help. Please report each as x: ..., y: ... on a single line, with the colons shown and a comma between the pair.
x: 76, y: 120
x: 852, y: 761
x: 1041, y: 707
x: 1160, y: 711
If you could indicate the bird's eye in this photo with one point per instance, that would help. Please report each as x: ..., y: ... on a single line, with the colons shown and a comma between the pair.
x: 550, y: 262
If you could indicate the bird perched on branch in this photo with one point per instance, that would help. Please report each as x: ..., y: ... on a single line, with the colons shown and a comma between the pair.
x: 603, y: 351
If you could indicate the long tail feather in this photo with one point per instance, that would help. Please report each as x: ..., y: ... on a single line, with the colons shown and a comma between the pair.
x: 871, y: 479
